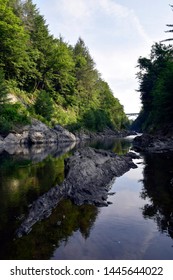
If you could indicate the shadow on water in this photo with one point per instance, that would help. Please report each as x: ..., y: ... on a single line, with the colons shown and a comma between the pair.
x: 158, y: 187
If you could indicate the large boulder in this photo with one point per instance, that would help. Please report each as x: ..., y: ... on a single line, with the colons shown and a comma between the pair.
x: 37, y: 133
x: 40, y: 133
x: 13, y: 138
x: 64, y: 135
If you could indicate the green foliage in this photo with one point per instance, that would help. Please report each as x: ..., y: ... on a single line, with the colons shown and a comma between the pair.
x: 13, y: 41
x: 96, y: 120
x: 12, y: 115
x: 3, y: 88
x: 44, y: 105
x: 58, y: 83
x: 156, y: 84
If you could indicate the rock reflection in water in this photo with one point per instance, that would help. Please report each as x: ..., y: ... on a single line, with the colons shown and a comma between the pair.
x: 39, y: 152
x: 158, y: 173
x: 24, y: 176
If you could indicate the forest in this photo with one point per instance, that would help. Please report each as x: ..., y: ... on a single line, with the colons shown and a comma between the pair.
x: 50, y: 79
x: 155, y: 76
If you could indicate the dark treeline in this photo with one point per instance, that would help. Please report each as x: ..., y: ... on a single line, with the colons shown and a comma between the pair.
x: 156, y: 89
x: 52, y: 80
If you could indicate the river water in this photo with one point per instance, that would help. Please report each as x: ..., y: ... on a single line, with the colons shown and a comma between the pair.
x: 138, y: 224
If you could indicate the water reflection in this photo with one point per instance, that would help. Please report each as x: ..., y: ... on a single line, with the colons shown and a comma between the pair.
x: 157, y: 186
x: 66, y: 219
x: 124, y: 230
x: 38, y: 152
x: 24, y: 176
x: 119, y: 146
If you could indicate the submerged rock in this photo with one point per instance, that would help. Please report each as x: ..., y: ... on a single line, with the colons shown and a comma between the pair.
x: 89, y: 175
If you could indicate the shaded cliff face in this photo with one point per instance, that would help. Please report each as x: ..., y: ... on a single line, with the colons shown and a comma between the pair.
x: 88, y: 177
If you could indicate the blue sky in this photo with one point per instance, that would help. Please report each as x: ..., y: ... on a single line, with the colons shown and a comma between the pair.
x: 116, y: 32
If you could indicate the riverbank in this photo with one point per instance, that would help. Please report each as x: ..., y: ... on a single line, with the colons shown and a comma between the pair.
x: 153, y: 143
x: 37, y: 133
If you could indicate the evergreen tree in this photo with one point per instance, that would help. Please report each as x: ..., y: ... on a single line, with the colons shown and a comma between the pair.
x: 13, y: 42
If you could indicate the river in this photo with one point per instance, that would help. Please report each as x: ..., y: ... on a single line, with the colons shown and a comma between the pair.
x: 137, y: 225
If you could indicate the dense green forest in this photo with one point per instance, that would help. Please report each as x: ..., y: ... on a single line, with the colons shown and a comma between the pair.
x: 155, y: 78
x: 51, y: 80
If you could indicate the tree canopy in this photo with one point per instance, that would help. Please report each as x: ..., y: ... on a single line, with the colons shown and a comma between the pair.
x: 155, y: 86
x: 46, y: 72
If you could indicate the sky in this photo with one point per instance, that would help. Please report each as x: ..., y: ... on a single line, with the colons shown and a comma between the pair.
x: 116, y: 32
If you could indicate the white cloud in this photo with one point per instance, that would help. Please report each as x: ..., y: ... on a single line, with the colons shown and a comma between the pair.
x: 111, y: 7
x: 76, y: 9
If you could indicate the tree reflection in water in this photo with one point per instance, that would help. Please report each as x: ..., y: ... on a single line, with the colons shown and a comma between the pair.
x: 158, y: 173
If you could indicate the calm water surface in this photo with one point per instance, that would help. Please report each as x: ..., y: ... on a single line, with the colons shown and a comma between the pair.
x: 137, y: 225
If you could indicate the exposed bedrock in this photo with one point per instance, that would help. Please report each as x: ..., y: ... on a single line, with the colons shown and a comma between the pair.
x: 88, y: 179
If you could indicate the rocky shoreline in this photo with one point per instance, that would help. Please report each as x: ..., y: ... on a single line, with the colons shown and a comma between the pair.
x: 37, y: 133
x: 88, y: 179
x: 153, y: 143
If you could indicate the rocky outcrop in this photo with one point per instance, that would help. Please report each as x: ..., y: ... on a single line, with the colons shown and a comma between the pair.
x: 154, y: 144
x: 89, y: 173
x: 63, y: 135
x: 37, y: 133
x: 88, y: 179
